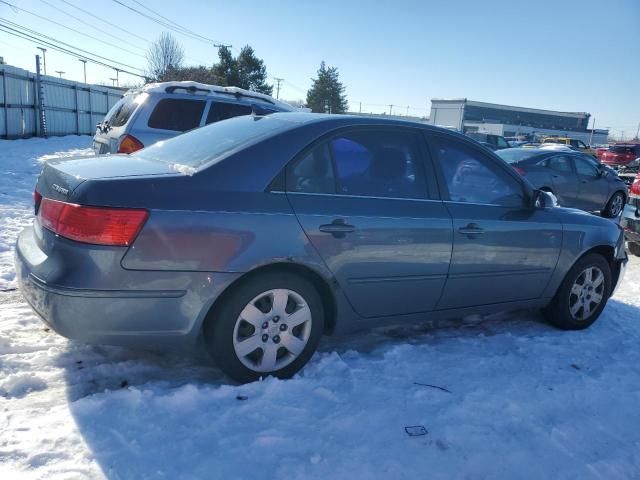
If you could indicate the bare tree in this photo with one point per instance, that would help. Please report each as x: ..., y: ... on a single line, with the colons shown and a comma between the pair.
x: 164, y: 55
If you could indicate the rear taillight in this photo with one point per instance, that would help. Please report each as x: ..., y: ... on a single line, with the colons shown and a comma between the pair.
x: 129, y: 144
x: 635, y: 187
x: 37, y: 198
x: 520, y: 171
x: 97, y: 225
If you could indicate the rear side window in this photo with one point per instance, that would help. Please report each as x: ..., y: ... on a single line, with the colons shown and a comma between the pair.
x: 560, y: 163
x: 121, y: 112
x: 177, y: 114
x: 586, y: 168
x: 222, y: 111
x: 372, y: 163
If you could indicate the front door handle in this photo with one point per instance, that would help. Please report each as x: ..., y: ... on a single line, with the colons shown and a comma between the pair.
x: 338, y: 228
x: 471, y: 230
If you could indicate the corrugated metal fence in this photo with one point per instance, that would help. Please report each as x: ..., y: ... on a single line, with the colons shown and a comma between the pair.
x: 69, y: 107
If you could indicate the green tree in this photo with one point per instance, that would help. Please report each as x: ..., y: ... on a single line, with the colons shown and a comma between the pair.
x: 245, y: 71
x: 327, y: 92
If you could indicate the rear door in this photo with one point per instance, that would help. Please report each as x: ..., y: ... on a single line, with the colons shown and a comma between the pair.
x: 564, y: 178
x: 503, y: 249
x: 593, y: 187
x: 368, y: 203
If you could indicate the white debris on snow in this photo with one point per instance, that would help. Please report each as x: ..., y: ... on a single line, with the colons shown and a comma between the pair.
x: 525, y: 401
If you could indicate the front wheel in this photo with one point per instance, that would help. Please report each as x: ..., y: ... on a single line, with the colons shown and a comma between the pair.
x: 614, y: 206
x: 582, y: 295
x: 270, y: 324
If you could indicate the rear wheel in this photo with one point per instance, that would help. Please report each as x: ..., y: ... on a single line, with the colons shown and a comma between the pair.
x: 614, y: 206
x: 583, y: 294
x: 634, y: 248
x: 269, y: 325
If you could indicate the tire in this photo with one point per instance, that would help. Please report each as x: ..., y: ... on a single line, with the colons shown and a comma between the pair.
x: 253, y: 312
x: 572, y: 294
x: 615, y: 205
x: 634, y: 248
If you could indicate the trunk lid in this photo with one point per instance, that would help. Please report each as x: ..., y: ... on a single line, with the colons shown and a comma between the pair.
x: 59, y: 179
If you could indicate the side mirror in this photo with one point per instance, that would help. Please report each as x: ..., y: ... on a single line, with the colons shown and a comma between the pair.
x: 542, y: 199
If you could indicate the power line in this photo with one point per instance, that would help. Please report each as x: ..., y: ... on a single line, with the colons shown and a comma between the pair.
x: 68, y: 28
x: 10, y: 24
x: 177, y: 29
x: 53, y: 46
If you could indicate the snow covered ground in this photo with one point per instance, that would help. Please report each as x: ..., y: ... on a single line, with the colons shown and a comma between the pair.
x: 522, y: 399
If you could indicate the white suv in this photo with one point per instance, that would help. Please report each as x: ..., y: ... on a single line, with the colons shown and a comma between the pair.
x: 162, y: 110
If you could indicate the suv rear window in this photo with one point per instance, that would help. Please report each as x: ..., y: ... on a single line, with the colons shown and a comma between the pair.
x: 625, y: 149
x: 177, y: 114
x: 221, y: 111
x: 121, y: 112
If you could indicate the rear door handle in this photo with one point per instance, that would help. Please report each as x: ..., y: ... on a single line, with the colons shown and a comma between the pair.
x: 338, y: 228
x: 471, y: 230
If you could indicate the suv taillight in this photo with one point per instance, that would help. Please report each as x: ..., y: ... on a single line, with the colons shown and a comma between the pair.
x: 635, y: 187
x: 129, y: 144
x: 37, y: 198
x: 96, y: 225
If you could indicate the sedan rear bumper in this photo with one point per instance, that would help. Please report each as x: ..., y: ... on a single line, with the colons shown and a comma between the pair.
x: 130, y: 316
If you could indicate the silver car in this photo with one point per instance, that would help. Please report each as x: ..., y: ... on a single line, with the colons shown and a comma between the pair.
x: 159, y: 111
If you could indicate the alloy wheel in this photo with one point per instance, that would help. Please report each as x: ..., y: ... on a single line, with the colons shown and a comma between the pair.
x: 616, y: 205
x: 586, y: 293
x: 272, y: 330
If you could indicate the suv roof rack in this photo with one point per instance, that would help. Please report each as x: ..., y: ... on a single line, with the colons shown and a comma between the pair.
x: 190, y: 89
x: 234, y: 93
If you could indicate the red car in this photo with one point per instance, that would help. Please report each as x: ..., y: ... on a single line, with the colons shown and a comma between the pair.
x: 621, y: 154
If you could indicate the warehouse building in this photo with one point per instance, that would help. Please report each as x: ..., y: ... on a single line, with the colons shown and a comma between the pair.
x: 471, y: 116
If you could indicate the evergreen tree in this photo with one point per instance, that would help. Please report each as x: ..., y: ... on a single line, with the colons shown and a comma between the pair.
x: 245, y: 71
x: 327, y: 92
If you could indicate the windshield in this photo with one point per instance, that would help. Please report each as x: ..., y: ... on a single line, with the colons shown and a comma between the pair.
x: 191, y: 150
x: 514, y: 155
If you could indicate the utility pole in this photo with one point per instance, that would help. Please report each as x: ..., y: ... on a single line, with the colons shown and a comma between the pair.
x: 278, y: 80
x: 220, y: 45
x: 407, y: 110
x: 117, y: 77
x: 84, y: 66
x: 44, y: 59
x: 60, y: 72
x: 113, y: 80
x: 637, y: 131
x: 391, y: 109
x: 593, y: 127
x: 360, y: 109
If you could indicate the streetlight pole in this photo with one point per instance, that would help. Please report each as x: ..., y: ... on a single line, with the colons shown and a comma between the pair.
x: 117, y: 77
x: 60, y: 72
x: 113, y: 80
x: 84, y: 66
x: 44, y: 58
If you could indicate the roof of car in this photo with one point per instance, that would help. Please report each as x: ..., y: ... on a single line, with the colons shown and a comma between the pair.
x: 339, y: 120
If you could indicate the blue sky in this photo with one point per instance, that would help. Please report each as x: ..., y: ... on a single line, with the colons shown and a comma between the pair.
x: 560, y: 55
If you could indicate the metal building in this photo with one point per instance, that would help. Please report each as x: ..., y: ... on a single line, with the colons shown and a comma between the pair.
x: 471, y: 116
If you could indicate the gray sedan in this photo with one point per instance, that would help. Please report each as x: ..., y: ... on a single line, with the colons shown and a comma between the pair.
x: 261, y: 234
x: 576, y: 179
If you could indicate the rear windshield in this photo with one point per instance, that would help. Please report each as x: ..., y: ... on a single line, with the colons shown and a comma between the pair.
x: 624, y: 149
x: 515, y: 155
x: 121, y: 112
x: 213, y: 142
x: 177, y: 114
x: 480, y: 137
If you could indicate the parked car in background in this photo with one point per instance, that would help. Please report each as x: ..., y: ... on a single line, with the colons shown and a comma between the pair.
x: 159, y: 111
x: 260, y: 234
x: 578, y: 145
x: 576, y: 179
x: 631, y: 217
x: 494, y: 142
x: 621, y: 155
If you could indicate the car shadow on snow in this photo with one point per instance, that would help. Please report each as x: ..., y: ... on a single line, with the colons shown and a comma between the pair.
x: 169, y: 415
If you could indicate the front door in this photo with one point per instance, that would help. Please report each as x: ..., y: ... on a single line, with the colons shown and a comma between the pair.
x: 503, y: 250
x: 593, y: 187
x: 363, y: 200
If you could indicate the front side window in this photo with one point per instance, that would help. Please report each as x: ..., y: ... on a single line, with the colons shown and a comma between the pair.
x: 560, y: 164
x: 177, y: 114
x: 470, y: 177
x: 371, y: 163
x: 586, y: 168
x: 222, y: 111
